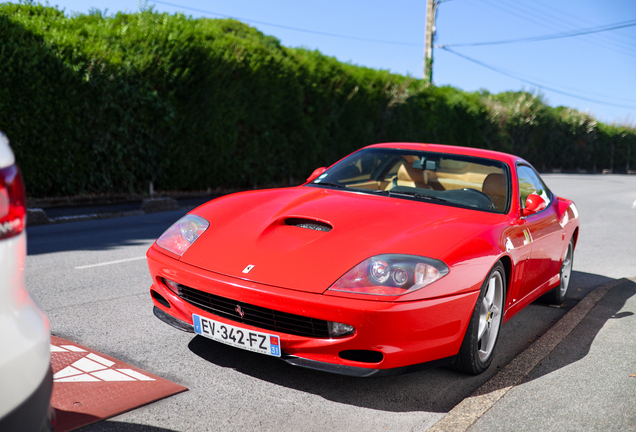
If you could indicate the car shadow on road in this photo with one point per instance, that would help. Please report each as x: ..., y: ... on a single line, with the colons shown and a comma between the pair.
x: 432, y: 390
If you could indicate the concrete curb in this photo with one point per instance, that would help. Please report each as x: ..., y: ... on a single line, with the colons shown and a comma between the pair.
x: 40, y: 220
x: 37, y: 216
x: 467, y: 412
x: 89, y: 200
x: 154, y: 205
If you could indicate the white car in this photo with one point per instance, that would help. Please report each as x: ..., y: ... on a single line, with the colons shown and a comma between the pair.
x: 26, y: 379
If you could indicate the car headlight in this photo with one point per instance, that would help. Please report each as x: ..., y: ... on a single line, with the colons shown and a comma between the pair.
x: 391, y: 275
x: 178, y: 238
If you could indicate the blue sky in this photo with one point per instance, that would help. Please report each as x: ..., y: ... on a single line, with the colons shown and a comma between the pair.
x: 594, y: 72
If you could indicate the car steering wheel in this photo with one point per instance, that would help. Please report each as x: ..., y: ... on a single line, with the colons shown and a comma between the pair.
x: 490, y: 204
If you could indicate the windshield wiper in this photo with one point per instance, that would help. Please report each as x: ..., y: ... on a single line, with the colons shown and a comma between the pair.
x: 417, y: 195
x: 353, y: 189
x: 337, y: 185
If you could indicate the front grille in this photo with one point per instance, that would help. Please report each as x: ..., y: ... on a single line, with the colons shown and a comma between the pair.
x: 256, y: 316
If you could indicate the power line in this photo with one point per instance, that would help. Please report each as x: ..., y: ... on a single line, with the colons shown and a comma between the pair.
x: 549, y: 20
x: 565, y: 16
x: 290, y: 28
x: 511, y: 75
x: 619, y: 42
x: 580, y: 32
x: 446, y: 47
x: 560, y: 35
x: 523, y: 15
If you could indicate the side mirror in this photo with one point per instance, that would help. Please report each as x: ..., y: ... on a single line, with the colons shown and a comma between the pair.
x: 316, y: 173
x: 534, y: 204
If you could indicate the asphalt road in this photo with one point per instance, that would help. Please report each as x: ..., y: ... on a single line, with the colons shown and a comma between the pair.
x: 93, y: 282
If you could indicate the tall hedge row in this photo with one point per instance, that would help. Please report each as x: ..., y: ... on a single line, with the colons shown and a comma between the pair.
x: 103, y: 104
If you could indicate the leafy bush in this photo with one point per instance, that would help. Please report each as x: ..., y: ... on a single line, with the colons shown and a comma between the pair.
x: 102, y: 104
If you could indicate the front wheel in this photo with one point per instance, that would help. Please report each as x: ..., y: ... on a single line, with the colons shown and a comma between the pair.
x: 478, y: 347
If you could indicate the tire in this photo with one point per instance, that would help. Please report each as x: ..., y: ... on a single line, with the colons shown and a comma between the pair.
x: 477, y: 349
x: 558, y: 294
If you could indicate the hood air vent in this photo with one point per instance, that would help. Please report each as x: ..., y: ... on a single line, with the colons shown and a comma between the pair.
x: 309, y: 224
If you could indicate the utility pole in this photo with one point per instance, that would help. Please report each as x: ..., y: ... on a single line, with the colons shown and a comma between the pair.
x: 431, y: 13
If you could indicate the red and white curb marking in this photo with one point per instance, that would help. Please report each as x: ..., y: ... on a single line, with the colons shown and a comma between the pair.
x: 93, y: 368
x: 89, y: 386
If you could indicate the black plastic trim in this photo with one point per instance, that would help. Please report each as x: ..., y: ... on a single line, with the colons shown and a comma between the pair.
x: 34, y: 413
x: 363, y: 356
x: 256, y: 316
x: 363, y: 372
x: 174, y: 322
x: 160, y: 299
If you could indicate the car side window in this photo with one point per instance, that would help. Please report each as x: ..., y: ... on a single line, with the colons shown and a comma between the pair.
x: 531, y: 183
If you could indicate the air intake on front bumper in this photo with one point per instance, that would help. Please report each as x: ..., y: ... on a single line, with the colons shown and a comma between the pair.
x: 257, y: 316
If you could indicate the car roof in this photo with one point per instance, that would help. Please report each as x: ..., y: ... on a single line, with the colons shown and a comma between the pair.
x: 450, y: 149
x: 6, y: 155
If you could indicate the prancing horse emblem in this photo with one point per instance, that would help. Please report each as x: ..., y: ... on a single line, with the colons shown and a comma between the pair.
x: 248, y: 268
x: 239, y: 310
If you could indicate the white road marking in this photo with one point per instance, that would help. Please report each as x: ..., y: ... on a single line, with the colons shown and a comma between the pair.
x: 87, y: 365
x: 634, y: 204
x: 93, y: 368
x: 101, y: 360
x: 112, y: 375
x: 73, y: 348
x: 135, y: 374
x: 109, y: 263
x: 67, y: 372
x: 79, y: 378
x: 55, y: 348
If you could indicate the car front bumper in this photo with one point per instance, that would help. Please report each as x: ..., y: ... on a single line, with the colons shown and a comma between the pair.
x: 426, y: 332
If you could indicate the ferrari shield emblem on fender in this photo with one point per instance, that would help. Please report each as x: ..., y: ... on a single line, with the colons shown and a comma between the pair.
x: 248, y: 268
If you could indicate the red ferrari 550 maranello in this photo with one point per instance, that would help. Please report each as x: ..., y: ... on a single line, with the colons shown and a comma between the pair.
x: 399, y: 255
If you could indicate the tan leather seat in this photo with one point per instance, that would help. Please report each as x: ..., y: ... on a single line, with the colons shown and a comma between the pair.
x: 411, y: 177
x: 495, y: 187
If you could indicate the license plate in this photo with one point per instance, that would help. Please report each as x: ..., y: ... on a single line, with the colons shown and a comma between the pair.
x: 250, y: 340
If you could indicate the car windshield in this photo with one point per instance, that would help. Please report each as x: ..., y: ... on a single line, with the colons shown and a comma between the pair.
x: 434, y: 177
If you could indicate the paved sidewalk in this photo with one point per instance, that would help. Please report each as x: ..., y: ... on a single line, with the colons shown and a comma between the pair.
x: 579, y: 376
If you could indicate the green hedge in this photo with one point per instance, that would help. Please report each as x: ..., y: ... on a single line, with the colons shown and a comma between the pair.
x: 105, y: 104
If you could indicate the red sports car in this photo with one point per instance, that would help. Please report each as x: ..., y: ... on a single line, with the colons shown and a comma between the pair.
x: 399, y: 255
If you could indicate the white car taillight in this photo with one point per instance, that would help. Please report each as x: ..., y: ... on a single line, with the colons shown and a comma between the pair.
x: 12, y: 202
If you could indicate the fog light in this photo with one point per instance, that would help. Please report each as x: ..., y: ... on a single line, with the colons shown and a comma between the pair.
x: 172, y: 285
x: 339, y: 329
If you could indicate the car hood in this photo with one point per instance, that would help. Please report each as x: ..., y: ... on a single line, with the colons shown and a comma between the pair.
x: 253, y: 229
